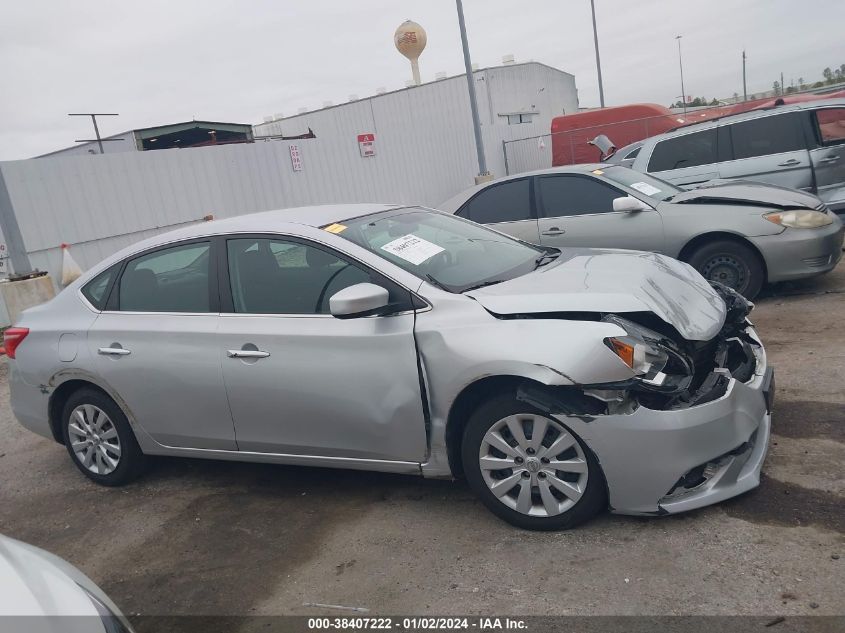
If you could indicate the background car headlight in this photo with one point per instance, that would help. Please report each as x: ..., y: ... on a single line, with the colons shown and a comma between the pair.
x: 800, y: 218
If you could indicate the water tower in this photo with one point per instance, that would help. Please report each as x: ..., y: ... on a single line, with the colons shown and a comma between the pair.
x: 410, y: 39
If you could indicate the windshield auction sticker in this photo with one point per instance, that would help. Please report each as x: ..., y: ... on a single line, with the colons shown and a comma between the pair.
x: 412, y: 249
x: 644, y: 187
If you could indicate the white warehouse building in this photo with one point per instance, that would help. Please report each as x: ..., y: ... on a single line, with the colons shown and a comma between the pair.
x: 432, y: 121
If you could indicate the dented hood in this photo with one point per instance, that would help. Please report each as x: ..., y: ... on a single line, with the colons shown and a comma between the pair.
x: 748, y: 193
x: 613, y: 281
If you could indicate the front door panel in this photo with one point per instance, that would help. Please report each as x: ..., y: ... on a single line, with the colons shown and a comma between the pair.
x: 326, y: 386
x: 577, y: 210
x: 638, y: 230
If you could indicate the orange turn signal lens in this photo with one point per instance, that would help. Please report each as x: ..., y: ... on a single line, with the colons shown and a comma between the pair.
x: 623, y: 350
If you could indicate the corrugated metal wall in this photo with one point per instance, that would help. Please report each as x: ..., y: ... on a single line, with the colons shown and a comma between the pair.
x: 434, y: 117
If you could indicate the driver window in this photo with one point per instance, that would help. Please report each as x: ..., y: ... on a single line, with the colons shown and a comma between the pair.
x: 269, y: 276
x: 575, y: 195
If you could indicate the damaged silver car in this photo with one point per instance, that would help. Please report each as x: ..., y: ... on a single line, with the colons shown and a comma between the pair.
x: 558, y: 382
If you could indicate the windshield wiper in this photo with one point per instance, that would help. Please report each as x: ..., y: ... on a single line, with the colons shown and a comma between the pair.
x: 483, y: 284
x: 434, y: 282
x: 546, y: 258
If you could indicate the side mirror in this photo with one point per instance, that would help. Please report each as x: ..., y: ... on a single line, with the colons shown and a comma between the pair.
x: 359, y: 300
x: 629, y: 204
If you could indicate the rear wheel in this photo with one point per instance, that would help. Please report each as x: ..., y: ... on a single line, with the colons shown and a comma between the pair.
x: 731, y: 263
x: 529, y: 469
x: 99, y: 439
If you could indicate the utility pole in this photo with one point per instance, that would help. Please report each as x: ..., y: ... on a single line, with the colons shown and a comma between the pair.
x: 681, y: 62
x: 598, y: 59
x: 782, y: 91
x: 483, y: 174
x: 744, y: 85
x: 99, y: 140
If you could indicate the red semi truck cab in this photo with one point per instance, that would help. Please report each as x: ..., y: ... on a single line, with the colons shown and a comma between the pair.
x: 572, y: 133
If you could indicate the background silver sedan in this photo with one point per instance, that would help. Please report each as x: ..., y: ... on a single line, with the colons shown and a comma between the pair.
x: 405, y: 340
x: 739, y: 234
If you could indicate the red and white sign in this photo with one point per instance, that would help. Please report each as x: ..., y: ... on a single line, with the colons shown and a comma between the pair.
x: 367, y: 145
x: 295, y: 158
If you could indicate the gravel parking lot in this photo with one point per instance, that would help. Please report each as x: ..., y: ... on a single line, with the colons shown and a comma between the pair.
x: 225, y: 538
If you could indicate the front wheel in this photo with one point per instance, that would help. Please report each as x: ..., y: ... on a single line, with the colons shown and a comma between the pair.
x: 730, y: 263
x: 529, y: 469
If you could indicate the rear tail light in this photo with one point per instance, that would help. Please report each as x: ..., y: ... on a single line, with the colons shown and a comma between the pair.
x: 13, y: 337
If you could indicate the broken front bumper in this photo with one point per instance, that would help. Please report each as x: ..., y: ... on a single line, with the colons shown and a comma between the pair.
x: 659, y: 462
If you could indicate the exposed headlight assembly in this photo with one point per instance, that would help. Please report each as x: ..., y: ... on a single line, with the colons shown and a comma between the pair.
x: 659, y: 365
x: 800, y: 218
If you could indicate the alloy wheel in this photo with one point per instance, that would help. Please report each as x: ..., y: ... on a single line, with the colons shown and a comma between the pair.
x: 533, y: 465
x: 93, y: 439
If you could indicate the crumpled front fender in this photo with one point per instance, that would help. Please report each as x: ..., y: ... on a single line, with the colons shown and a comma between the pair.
x: 460, y: 350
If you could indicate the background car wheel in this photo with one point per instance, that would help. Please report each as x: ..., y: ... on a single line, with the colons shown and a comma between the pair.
x: 731, y: 263
x: 529, y: 469
x: 99, y: 439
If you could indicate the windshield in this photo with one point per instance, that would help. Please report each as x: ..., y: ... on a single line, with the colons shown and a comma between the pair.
x: 448, y: 251
x: 645, y: 184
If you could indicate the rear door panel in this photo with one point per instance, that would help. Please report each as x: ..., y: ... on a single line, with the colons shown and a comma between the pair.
x: 770, y: 149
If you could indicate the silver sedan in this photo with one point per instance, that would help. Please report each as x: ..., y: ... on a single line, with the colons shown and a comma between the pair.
x: 400, y: 339
x: 41, y: 593
x: 740, y: 234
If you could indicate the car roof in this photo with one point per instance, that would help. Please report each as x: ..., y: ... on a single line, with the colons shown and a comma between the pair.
x: 619, y: 154
x: 451, y: 205
x: 264, y: 221
x: 750, y: 114
x: 315, y: 216
x: 261, y: 222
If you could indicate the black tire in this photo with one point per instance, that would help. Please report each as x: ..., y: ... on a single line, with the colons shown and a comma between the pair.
x: 731, y: 263
x: 594, y: 496
x: 131, y: 461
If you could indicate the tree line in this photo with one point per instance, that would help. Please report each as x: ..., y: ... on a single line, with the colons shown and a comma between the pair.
x: 831, y: 76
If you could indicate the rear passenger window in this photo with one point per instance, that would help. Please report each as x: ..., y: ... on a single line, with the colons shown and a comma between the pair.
x: 281, y: 277
x: 831, y: 122
x: 170, y: 280
x: 689, y: 150
x: 768, y: 135
x: 507, y: 202
x: 96, y: 290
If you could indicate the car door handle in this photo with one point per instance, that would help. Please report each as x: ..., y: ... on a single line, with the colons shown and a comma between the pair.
x: 789, y: 163
x: 113, y: 351
x: 554, y: 231
x: 247, y: 353
x: 830, y: 159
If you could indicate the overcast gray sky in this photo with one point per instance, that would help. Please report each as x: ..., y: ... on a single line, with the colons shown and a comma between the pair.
x: 162, y: 61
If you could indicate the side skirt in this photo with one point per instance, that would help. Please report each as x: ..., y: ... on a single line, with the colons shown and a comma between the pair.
x: 378, y: 465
